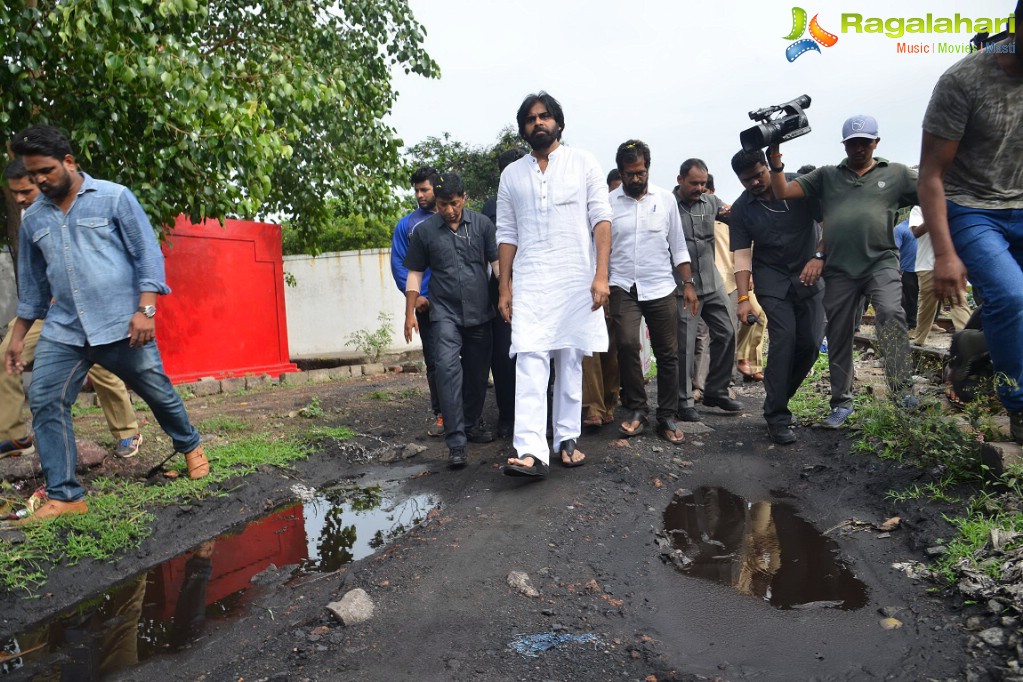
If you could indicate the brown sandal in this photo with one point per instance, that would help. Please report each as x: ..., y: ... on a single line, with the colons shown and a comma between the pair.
x: 669, y: 430
x: 198, y: 465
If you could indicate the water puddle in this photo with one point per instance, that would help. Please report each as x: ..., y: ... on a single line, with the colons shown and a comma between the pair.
x: 171, y: 605
x: 763, y: 549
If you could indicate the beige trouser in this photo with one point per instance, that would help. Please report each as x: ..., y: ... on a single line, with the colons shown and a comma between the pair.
x: 927, y: 306
x: 750, y: 344
x: 111, y: 391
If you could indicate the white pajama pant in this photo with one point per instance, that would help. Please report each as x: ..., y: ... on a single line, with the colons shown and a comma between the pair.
x: 532, y: 375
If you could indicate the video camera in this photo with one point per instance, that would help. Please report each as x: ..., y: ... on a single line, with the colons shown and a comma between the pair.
x: 772, y: 129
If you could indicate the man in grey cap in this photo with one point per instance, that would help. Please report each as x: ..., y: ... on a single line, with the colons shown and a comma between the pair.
x: 860, y: 198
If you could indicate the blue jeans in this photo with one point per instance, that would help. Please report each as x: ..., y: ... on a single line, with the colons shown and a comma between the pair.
x: 57, y: 377
x: 990, y: 244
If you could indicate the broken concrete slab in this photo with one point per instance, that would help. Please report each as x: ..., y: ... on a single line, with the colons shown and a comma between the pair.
x: 1000, y: 457
x: 355, y: 607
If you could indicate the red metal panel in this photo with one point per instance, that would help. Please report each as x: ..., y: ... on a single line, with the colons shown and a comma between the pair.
x: 225, y: 315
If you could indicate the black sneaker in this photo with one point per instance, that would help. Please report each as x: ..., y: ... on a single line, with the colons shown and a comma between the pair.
x: 457, y: 458
x: 781, y: 434
x: 504, y: 430
x: 479, y: 434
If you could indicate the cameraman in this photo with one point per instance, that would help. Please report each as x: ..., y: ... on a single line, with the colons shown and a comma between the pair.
x: 860, y: 198
x: 789, y: 287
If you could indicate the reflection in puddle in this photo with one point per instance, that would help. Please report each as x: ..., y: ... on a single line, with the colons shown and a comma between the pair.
x: 762, y: 549
x: 170, y: 606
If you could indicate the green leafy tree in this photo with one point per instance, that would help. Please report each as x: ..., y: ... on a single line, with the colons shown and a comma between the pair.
x: 221, y: 108
x: 477, y: 164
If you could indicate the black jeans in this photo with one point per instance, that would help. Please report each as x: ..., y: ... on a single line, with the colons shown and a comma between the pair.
x: 462, y: 360
x: 426, y: 336
x: 661, y: 316
x: 796, y: 327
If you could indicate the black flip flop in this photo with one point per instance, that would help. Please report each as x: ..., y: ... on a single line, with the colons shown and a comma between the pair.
x: 635, y: 416
x: 538, y: 470
x: 567, y: 447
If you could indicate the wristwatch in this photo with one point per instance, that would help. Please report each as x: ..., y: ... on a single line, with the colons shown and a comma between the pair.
x: 819, y: 254
x: 147, y: 310
x: 691, y: 280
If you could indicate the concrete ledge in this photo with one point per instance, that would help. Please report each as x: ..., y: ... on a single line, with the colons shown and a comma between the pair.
x: 1000, y: 457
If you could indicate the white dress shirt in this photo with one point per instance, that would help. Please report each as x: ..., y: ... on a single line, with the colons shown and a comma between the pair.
x: 550, y: 217
x: 646, y: 242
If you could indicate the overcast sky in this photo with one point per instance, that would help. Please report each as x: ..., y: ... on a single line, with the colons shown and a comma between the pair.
x: 677, y: 75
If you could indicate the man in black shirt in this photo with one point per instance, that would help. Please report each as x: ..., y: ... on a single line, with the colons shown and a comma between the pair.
x: 787, y: 268
x: 456, y: 245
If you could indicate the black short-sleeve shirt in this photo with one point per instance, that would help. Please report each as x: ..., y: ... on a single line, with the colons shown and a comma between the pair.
x: 458, y: 261
x: 783, y: 237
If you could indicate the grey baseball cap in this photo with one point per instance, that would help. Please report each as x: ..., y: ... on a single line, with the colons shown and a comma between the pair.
x: 860, y: 125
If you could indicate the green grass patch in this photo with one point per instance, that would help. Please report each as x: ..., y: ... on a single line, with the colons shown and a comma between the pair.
x: 222, y: 424
x: 385, y: 396
x: 812, y: 401
x: 119, y: 518
x: 313, y: 410
x: 80, y: 411
x: 972, y: 535
x: 330, y: 432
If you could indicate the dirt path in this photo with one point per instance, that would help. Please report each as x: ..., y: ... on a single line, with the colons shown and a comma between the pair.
x: 588, y: 539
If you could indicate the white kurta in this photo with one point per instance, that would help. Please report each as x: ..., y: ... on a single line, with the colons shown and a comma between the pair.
x: 550, y: 216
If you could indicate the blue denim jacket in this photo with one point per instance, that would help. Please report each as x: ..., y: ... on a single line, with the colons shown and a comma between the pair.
x: 93, y: 262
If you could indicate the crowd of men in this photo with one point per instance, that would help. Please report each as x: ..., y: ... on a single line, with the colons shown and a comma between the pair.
x: 583, y: 258
x: 546, y: 288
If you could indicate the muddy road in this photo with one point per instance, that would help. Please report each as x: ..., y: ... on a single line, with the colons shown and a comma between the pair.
x: 759, y: 574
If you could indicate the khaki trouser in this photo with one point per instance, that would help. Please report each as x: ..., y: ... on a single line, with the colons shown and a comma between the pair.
x: 111, y: 391
x: 927, y: 307
x: 750, y: 344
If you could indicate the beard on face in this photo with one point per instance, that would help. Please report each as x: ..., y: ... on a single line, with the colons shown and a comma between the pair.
x: 429, y: 205
x: 635, y: 189
x: 57, y: 191
x: 541, y: 138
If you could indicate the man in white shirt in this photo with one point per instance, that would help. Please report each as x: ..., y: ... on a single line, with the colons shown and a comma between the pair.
x: 646, y: 242
x: 927, y: 302
x: 554, y: 234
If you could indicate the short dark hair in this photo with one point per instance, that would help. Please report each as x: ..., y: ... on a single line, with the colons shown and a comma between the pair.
x: 806, y: 168
x: 631, y: 151
x: 689, y: 164
x: 553, y: 106
x: 16, y: 170
x: 613, y: 176
x: 40, y: 140
x: 508, y: 157
x: 449, y: 186
x: 423, y: 174
x: 744, y: 160
x: 710, y: 182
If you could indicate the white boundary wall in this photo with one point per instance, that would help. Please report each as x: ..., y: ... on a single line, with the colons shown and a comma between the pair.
x: 337, y: 294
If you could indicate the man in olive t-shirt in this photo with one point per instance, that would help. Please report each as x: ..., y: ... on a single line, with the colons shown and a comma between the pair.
x: 860, y: 198
x: 971, y: 192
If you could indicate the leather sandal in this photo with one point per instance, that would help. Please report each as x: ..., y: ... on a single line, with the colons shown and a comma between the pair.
x: 669, y: 430
x: 567, y: 447
x: 634, y: 416
x: 198, y: 465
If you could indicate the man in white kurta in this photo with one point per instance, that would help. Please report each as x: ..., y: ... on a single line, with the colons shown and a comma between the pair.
x: 554, y: 240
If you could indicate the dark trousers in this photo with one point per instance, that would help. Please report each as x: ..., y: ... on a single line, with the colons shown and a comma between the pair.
x: 717, y: 311
x: 426, y: 336
x: 910, y: 297
x: 661, y: 315
x: 503, y: 369
x: 462, y: 358
x: 796, y: 328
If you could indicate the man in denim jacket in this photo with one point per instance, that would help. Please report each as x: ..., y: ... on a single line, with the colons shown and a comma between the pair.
x: 87, y: 245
